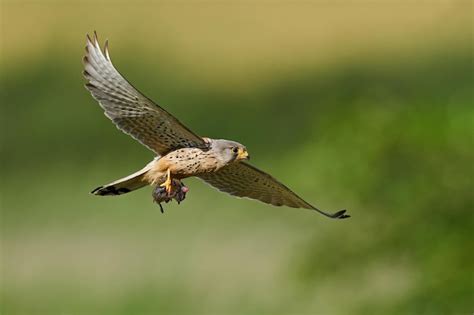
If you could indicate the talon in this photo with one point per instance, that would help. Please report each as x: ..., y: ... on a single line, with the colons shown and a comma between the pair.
x: 167, y: 184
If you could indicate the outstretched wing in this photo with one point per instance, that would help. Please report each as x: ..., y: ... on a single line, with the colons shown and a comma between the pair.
x: 131, y: 111
x: 244, y: 180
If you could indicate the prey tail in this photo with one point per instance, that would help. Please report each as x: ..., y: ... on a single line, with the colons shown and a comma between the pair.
x: 124, y: 185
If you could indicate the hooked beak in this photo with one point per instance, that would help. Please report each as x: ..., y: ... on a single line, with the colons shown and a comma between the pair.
x: 243, y: 154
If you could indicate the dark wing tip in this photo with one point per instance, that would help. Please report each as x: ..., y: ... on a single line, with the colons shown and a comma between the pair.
x: 337, y: 215
x: 340, y: 215
x: 97, y: 191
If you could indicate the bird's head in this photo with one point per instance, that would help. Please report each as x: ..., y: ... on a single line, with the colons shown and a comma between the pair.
x: 230, y: 151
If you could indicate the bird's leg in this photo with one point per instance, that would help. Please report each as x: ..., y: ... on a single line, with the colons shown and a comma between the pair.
x: 168, y: 184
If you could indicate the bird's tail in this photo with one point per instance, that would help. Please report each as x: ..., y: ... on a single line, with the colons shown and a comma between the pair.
x: 124, y: 185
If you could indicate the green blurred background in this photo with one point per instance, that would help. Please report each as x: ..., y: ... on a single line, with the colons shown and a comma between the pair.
x: 361, y: 105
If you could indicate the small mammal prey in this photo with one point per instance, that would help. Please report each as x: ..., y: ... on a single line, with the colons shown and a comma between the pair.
x: 178, y: 193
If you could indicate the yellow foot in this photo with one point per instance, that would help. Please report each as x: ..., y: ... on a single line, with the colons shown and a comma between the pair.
x: 167, y: 184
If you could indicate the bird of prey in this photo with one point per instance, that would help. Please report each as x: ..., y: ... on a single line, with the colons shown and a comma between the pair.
x: 180, y: 153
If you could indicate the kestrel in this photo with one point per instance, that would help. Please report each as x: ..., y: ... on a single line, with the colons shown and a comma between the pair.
x: 180, y: 153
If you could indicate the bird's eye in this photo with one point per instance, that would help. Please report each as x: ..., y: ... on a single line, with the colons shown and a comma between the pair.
x: 235, y: 149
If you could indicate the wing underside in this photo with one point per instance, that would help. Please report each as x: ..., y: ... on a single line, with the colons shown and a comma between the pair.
x: 244, y: 180
x: 130, y: 110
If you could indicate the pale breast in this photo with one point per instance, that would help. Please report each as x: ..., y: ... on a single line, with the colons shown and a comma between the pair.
x: 189, y: 162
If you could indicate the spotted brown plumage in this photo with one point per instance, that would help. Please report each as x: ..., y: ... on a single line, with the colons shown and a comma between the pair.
x: 244, y: 180
x: 184, y: 163
x: 180, y: 152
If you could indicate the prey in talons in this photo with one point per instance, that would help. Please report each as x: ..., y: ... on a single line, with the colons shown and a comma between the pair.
x: 175, y: 189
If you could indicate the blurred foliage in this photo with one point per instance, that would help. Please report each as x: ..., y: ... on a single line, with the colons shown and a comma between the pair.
x: 387, y: 137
